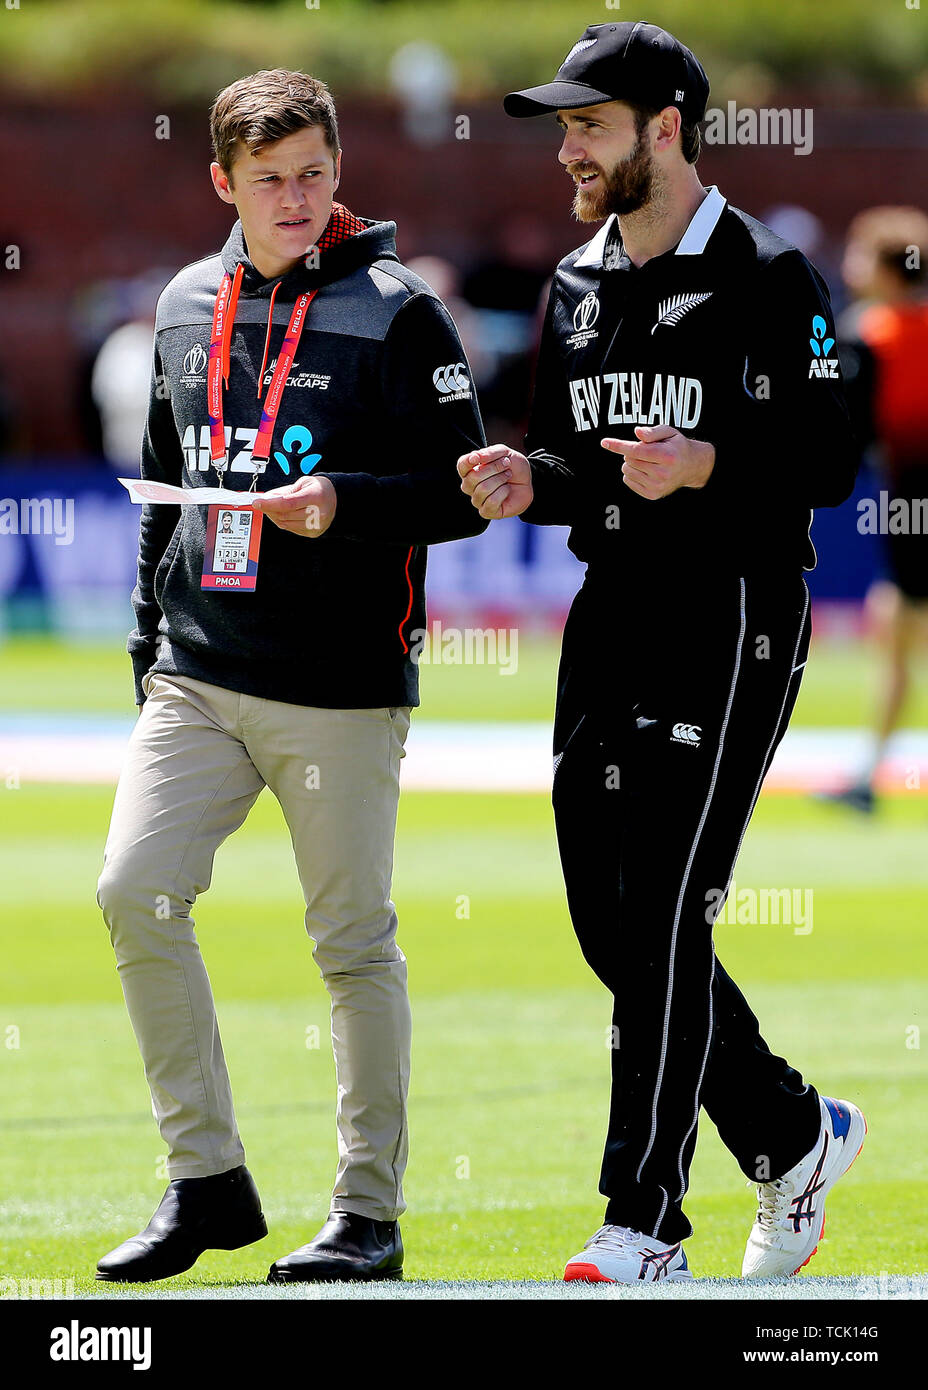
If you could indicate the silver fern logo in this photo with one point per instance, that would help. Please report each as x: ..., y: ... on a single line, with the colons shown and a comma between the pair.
x: 577, y: 48
x: 671, y: 311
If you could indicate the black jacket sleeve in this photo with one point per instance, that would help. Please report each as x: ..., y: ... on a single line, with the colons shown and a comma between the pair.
x: 163, y: 460
x: 427, y: 425
x: 792, y: 433
x: 556, y: 496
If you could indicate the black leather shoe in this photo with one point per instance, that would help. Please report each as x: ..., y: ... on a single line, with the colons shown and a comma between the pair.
x: 347, y: 1247
x: 222, y: 1212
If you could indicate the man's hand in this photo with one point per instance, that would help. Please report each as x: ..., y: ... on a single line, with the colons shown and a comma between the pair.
x: 662, y: 460
x: 498, y: 480
x: 305, y: 508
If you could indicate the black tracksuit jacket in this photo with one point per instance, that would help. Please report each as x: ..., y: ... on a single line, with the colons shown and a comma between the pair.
x: 381, y: 383
x: 730, y: 338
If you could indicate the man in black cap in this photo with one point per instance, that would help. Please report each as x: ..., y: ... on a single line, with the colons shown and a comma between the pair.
x: 709, y: 342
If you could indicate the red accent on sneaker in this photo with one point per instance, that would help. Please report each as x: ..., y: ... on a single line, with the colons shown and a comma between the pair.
x: 588, y: 1273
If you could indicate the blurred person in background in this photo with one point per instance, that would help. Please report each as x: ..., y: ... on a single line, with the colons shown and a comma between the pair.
x: 883, y: 343
x: 505, y: 288
x: 120, y: 382
x: 511, y: 277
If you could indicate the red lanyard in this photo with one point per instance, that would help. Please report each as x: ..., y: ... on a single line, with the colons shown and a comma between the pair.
x: 218, y: 372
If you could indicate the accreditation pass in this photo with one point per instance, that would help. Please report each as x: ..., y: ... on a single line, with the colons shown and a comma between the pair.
x: 230, y: 557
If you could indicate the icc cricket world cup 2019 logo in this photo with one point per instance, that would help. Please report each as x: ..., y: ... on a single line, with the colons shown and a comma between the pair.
x: 585, y: 315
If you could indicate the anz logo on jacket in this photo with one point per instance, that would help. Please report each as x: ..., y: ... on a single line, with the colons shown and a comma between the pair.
x: 293, y: 457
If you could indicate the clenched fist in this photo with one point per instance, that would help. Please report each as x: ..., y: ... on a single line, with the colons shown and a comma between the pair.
x: 498, y: 480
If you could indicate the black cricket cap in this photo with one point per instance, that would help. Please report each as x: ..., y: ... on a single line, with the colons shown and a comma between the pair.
x: 636, y: 62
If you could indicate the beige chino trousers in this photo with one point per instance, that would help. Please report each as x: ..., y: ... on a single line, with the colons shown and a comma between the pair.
x: 197, y: 759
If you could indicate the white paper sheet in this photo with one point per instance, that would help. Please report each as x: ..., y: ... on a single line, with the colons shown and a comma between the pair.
x: 143, y: 490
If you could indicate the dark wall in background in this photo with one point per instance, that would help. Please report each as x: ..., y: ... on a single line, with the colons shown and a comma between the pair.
x: 91, y: 193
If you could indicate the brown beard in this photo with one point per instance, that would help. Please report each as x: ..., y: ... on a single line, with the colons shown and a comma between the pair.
x: 626, y: 187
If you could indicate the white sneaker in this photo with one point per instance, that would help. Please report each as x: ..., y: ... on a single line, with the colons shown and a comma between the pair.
x: 617, y: 1255
x: 790, y: 1216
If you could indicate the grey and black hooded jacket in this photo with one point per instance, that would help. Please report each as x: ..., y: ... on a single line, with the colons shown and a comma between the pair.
x: 378, y: 400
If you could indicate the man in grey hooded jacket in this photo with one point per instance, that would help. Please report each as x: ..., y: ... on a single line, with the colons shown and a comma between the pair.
x: 307, y: 366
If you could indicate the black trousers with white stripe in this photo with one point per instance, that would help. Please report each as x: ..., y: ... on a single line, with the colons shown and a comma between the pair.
x: 669, y: 711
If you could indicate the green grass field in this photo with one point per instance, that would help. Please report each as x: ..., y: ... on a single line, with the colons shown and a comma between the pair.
x: 510, y: 1068
x: 837, y: 689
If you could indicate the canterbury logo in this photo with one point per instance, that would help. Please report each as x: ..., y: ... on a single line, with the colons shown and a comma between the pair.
x: 671, y: 311
x: 586, y: 312
x: 451, y: 378
x: 686, y: 733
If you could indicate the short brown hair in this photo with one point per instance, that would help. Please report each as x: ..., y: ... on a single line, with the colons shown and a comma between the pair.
x: 264, y: 107
x: 690, y: 137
